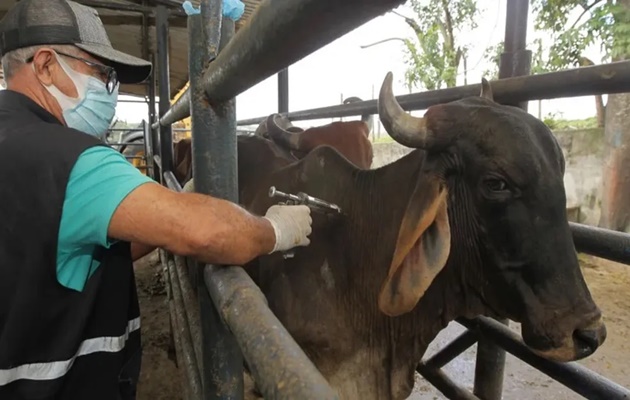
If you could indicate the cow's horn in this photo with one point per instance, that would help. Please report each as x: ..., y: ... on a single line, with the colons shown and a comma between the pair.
x: 406, y: 129
x: 281, y: 136
x: 486, y: 90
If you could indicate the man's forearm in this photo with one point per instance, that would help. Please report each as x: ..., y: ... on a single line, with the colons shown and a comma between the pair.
x: 223, y: 232
x: 209, y: 229
x: 139, y: 250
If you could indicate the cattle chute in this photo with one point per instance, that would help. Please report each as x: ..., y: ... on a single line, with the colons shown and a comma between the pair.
x: 263, y: 48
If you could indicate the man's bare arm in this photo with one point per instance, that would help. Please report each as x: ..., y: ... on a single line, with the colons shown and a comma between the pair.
x: 139, y: 250
x: 189, y: 224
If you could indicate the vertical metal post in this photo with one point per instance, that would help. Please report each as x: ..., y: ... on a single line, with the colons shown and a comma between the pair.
x: 515, y: 61
x: 283, y: 91
x: 215, y: 171
x: 154, y: 144
x: 164, y: 86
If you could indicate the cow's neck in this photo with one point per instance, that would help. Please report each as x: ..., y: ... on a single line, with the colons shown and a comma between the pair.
x: 377, y: 216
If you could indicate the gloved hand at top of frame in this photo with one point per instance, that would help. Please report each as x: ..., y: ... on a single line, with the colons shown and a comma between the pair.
x: 232, y: 9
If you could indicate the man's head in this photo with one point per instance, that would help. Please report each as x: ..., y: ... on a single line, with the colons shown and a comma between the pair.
x: 57, y: 52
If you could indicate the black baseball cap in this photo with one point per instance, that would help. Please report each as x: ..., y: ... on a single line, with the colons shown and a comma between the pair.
x: 50, y: 22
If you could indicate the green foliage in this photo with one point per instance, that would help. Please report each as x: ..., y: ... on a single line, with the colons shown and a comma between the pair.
x: 433, y: 56
x: 577, y: 24
x: 558, y: 124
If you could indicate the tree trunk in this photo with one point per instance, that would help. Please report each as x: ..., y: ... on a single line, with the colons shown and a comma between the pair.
x: 600, y: 109
x: 599, y: 100
x: 615, y: 213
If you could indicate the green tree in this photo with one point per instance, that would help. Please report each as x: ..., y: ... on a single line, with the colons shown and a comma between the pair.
x: 436, y: 50
x: 574, y: 26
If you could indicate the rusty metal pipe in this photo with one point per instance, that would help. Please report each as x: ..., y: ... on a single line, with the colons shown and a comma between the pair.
x: 571, y: 374
x: 181, y: 332
x: 280, y: 33
x: 279, y: 366
x: 583, y: 81
x: 189, y: 299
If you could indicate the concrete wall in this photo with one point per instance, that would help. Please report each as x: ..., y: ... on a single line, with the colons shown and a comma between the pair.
x: 583, y: 151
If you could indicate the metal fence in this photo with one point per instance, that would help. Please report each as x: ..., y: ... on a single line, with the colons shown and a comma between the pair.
x: 213, y: 337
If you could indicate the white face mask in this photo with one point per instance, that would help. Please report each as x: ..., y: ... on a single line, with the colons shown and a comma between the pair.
x: 93, y: 110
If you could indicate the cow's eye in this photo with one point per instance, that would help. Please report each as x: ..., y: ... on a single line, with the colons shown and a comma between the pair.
x: 495, y: 184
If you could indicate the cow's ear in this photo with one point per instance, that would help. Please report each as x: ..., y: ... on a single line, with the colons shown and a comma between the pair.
x: 422, y: 248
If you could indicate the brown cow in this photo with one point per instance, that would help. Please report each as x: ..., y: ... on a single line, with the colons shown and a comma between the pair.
x: 471, y: 222
x: 350, y: 138
x: 286, y: 144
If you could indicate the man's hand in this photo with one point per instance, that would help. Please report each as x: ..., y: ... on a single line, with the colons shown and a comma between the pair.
x: 291, y: 224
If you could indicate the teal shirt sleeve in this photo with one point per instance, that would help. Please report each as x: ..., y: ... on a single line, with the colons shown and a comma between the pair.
x: 99, y: 181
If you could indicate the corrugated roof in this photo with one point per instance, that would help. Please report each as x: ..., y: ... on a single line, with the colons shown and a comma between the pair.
x: 125, y: 32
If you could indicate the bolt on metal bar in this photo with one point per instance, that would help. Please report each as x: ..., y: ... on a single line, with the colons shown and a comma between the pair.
x: 280, y: 33
x: 572, y: 375
x: 584, y: 81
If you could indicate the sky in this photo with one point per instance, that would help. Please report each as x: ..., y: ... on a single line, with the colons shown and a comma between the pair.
x: 343, y: 69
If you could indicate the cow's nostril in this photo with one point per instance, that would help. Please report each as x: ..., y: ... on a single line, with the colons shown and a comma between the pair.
x: 588, y: 340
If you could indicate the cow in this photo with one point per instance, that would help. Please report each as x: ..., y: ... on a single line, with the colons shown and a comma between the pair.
x: 471, y: 222
x: 277, y: 143
x: 367, y: 118
x: 351, y: 138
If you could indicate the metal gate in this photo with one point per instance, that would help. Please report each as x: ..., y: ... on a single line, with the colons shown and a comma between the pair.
x: 212, y: 332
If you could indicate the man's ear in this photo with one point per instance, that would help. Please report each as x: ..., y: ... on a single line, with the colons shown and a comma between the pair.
x: 43, y: 64
x: 422, y: 248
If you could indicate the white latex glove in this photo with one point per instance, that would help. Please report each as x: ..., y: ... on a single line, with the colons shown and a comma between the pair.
x: 292, y: 225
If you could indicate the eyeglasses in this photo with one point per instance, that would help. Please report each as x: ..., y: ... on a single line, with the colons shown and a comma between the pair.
x: 110, y: 72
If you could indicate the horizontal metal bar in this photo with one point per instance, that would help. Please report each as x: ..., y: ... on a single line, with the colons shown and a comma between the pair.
x: 604, y: 243
x: 125, y: 129
x: 133, y: 101
x: 280, y: 33
x: 108, y: 5
x: 171, y: 181
x: 127, y: 144
x: 572, y: 375
x: 444, y: 384
x: 279, y: 366
x: 583, y: 81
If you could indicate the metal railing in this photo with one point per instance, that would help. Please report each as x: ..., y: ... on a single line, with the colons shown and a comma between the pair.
x: 228, y: 300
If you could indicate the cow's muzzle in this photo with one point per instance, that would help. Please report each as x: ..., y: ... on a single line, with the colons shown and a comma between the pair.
x: 581, y: 343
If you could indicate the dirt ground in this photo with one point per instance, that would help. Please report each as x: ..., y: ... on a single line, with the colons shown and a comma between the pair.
x: 607, y: 281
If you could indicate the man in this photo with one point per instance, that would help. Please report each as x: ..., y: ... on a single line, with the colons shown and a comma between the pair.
x: 74, y: 214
